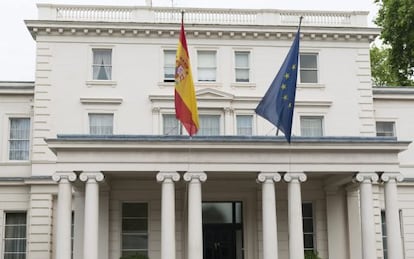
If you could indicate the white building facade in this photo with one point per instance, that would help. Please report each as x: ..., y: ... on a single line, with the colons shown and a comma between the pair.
x: 94, y: 165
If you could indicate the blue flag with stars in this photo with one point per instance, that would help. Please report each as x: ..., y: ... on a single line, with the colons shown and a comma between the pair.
x: 279, y: 101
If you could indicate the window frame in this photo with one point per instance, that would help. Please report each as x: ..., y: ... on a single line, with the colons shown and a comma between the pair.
x: 236, y: 123
x: 220, y: 120
x: 4, y: 232
x: 248, y: 68
x: 179, y: 127
x: 164, y: 59
x: 313, y: 233
x: 316, y: 69
x: 147, y: 250
x: 393, y: 133
x: 100, y: 113
x: 93, y: 65
x: 10, y: 118
x: 322, y: 121
x: 216, y: 68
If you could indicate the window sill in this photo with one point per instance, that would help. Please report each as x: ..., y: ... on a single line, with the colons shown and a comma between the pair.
x: 166, y: 84
x: 208, y: 84
x: 243, y: 85
x: 15, y: 163
x: 91, y: 83
x: 311, y: 86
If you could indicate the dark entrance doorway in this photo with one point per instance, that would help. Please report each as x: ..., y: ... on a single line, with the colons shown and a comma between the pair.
x: 222, y: 230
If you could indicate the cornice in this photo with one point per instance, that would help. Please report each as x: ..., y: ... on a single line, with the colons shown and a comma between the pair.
x: 17, y: 87
x: 239, y: 32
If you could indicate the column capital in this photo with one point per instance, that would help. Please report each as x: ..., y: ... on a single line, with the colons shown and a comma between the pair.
x: 392, y: 177
x: 168, y: 177
x: 64, y: 177
x: 295, y: 177
x: 268, y: 177
x: 195, y: 176
x: 366, y: 177
x: 91, y: 177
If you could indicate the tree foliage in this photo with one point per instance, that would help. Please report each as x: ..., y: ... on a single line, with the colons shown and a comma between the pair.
x: 396, y: 17
x: 381, y: 72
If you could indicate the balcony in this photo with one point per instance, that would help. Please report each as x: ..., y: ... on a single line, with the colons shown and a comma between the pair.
x: 150, y: 14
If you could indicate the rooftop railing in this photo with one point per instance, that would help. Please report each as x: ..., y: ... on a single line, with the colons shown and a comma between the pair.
x: 200, y: 15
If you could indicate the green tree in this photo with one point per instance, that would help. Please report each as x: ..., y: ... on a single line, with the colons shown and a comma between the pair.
x: 396, y: 17
x: 381, y: 72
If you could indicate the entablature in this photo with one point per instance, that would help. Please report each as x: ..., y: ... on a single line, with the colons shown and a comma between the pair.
x: 203, y: 31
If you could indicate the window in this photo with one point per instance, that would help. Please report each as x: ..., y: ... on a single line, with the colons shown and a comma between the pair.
x: 171, y: 126
x: 308, y: 68
x: 101, y: 124
x: 169, y: 65
x: 244, y: 125
x: 308, y: 231
x: 311, y: 126
x: 19, y: 139
x: 15, y: 236
x: 102, y: 64
x: 384, y: 234
x: 134, y: 229
x: 72, y: 234
x: 206, y: 68
x: 209, y: 125
x: 242, y: 66
x: 385, y: 128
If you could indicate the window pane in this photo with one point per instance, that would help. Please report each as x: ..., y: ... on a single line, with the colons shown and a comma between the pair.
x: 19, y: 143
x: 169, y: 65
x: 171, y: 126
x: 134, y: 225
x: 209, y: 125
x: 206, y: 65
x: 308, y: 225
x: 134, y: 241
x: 308, y: 76
x: 385, y: 128
x: 102, y: 64
x: 311, y: 126
x: 244, y: 125
x: 101, y: 124
x: 242, y: 59
x: 139, y: 210
x: 308, y: 61
x: 217, y: 212
x: 308, y: 241
x: 307, y: 210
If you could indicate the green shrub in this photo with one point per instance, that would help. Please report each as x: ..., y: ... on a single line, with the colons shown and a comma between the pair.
x: 135, y: 256
x: 311, y: 255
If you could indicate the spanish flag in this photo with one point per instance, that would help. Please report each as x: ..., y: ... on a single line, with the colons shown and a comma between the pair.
x: 185, y: 99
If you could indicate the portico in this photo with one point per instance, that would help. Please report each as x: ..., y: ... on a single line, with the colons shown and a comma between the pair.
x: 272, y: 200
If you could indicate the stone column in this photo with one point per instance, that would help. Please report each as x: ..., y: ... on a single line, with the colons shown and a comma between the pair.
x: 296, y: 248
x: 91, y: 223
x: 392, y: 215
x: 367, y: 214
x: 167, y: 180
x: 270, y: 245
x: 64, y: 214
x: 195, y: 224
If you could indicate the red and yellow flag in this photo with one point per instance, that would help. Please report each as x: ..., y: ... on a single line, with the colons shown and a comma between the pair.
x: 185, y: 99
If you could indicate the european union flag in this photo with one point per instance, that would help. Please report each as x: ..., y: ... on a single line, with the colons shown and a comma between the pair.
x: 279, y: 101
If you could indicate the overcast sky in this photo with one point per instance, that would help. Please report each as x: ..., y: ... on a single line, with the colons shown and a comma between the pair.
x: 17, y: 48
